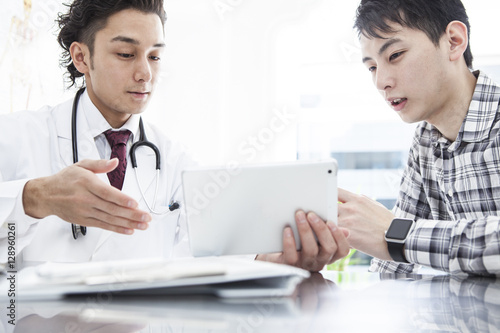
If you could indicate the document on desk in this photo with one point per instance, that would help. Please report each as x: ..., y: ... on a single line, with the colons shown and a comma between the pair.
x: 227, y: 277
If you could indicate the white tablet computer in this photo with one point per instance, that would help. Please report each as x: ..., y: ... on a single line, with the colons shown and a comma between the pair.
x: 243, y: 210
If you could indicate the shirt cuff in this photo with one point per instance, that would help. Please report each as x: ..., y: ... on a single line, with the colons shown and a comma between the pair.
x: 429, y: 243
x: 383, y: 266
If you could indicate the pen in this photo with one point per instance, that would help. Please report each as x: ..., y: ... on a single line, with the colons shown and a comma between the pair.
x: 173, y: 206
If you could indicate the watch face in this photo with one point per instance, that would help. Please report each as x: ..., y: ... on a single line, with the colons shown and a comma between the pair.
x: 399, y: 229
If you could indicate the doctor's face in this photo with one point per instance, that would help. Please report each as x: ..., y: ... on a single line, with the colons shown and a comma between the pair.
x: 125, y: 64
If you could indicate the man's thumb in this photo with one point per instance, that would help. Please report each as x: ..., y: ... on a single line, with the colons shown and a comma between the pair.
x: 99, y: 166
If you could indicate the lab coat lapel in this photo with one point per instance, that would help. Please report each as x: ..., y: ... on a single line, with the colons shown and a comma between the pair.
x: 85, y: 140
x: 63, y: 128
x: 86, y: 150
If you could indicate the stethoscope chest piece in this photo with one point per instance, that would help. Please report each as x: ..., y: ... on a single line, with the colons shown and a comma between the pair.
x: 78, y: 230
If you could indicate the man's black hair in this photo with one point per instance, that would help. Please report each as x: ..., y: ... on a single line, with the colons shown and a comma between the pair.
x: 430, y: 16
x: 86, y: 17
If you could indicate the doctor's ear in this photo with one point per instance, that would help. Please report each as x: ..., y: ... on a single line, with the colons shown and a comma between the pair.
x: 457, y: 39
x: 80, y: 54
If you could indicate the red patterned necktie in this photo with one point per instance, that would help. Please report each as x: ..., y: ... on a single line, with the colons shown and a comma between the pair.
x: 118, y: 142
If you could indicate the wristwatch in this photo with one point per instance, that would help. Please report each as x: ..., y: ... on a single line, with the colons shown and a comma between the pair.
x: 395, y: 237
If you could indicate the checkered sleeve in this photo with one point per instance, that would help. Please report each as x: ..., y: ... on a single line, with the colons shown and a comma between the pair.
x: 464, y: 246
x: 411, y: 198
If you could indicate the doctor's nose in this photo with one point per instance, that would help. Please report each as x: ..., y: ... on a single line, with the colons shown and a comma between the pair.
x: 143, y: 70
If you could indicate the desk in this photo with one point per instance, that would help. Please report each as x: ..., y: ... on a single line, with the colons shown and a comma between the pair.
x: 355, y: 301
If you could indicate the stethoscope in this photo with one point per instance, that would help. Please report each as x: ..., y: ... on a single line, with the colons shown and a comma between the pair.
x: 143, y: 141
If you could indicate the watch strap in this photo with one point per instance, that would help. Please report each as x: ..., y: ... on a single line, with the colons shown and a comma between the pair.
x: 396, y: 237
x: 396, y: 250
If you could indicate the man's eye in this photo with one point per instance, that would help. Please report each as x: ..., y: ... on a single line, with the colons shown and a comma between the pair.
x: 125, y: 55
x: 155, y: 58
x: 395, y: 56
x: 372, y: 69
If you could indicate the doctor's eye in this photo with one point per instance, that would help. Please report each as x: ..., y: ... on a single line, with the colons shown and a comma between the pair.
x: 125, y: 55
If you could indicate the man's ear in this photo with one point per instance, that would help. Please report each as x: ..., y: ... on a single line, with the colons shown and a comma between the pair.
x: 80, y: 54
x: 457, y: 39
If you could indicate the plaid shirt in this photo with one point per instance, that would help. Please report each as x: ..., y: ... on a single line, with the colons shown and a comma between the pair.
x: 452, y: 191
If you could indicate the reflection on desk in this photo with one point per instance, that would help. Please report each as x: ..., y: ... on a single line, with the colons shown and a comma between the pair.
x: 356, y: 302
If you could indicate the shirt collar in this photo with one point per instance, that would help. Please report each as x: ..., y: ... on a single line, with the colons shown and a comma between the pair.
x: 480, y: 116
x: 482, y: 110
x: 98, y: 124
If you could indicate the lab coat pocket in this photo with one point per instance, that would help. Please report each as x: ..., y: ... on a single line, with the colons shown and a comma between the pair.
x: 157, y: 241
x: 166, y: 229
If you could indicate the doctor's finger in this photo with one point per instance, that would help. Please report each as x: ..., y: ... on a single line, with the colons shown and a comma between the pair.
x: 92, y: 222
x: 115, y: 210
x: 117, y: 221
x: 340, y: 236
x: 98, y: 166
x: 109, y: 193
x: 290, y: 254
x: 309, y: 243
x: 320, y: 229
x: 327, y: 244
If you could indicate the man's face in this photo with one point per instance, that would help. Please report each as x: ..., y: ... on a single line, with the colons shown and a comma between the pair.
x: 409, y: 71
x: 124, y: 67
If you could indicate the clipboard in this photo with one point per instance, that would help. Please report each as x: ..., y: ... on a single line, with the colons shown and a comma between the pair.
x: 225, y: 277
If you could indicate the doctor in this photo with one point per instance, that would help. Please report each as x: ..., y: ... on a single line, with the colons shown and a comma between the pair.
x: 118, y: 53
x: 117, y: 49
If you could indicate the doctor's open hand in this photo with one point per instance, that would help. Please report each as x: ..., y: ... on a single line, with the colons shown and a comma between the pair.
x: 331, y: 244
x: 77, y: 195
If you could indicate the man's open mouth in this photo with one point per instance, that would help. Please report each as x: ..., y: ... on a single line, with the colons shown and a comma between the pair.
x: 397, y: 101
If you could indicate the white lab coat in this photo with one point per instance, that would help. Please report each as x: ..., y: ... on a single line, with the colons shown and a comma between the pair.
x: 38, y: 143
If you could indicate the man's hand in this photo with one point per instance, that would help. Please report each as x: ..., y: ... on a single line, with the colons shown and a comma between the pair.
x: 77, y: 195
x: 331, y: 244
x: 367, y: 220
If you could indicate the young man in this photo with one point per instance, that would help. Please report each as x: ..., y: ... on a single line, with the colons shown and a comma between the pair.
x: 420, y: 61
x: 117, y: 47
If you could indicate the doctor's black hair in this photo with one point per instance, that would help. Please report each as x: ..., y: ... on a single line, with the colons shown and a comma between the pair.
x: 430, y: 16
x: 86, y: 17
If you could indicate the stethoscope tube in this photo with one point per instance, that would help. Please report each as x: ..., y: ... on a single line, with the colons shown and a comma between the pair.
x: 76, y: 229
x: 143, y: 141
